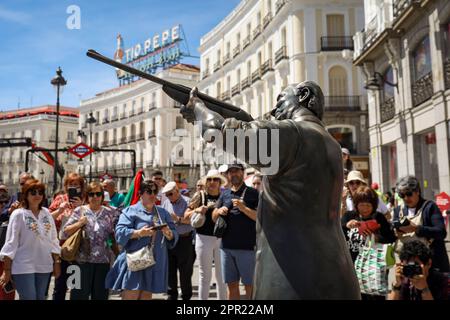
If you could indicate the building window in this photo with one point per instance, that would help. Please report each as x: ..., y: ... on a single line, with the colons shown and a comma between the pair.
x: 70, y: 136
x: 345, y: 136
x: 335, y: 25
x: 422, y: 88
x: 387, y: 111
x: 427, y: 170
x: 390, y: 169
x: 218, y: 89
x: 179, y: 123
x: 337, y: 81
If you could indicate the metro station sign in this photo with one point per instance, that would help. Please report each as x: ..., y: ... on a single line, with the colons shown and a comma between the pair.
x: 81, y: 150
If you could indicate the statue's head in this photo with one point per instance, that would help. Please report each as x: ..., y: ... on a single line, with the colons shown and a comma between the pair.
x: 306, y: 94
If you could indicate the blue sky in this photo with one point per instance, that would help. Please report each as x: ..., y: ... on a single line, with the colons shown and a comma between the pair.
x: 34, y: 41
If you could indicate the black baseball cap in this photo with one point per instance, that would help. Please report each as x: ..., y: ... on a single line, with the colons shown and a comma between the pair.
x: 235, y: 166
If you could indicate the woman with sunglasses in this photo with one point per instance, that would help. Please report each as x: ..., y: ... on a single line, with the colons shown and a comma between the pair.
x: 138, y: 227
x: 424, y: 220
x: 207, y: 246
x: 94, y: 256
x: 31, y: 251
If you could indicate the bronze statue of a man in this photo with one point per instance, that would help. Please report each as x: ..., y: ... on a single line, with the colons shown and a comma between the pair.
x: 301, y: 250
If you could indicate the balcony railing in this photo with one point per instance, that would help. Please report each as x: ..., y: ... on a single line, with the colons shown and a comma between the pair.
x: 342, y: 103
x: 246, y: 42
x: 70, y: 140
x: 226, y: 58
x: 141, y: 136
x: 281, y: 54
x: 336, y: 43
x: 104, y: 144
x: 422, y: 89
x: 123, y: 115
x: 266, y: 67
x: 149, y: 163
x: 139, y: 164
x: 105, y: 120
x: 235, y: 90
x: 256, y: 31
x: 236, y: 50
x: 123, y: 140
x: 256, y: 75
x: 245, y: 83
x: 151, y: 106
x: 132, y: 138
x: 52, y: 139
x: 447, y: 73
x: 267, y: 19
x: 205, y: 74
x: 225, y: 95
x: 132, y: 113
x: 400, y: 6
x: 387, y: 110
x: 217, y: 66
x: 114, y: 118
x: 113, y: 142
x: 151, y: 134
x: 140, y: 110
x: 279, y: 4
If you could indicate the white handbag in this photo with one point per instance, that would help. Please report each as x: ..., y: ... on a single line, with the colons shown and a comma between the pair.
x: 198, y: 219
x: 143, y: 258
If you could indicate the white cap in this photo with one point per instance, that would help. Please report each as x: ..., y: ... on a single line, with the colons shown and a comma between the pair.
x: 223, y: 168
x: 106, y: 197
x: 169, y: 187
x: 345, y: 151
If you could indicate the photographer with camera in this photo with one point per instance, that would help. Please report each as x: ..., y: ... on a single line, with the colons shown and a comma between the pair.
x: 420, y: 219
x: 415, y: 278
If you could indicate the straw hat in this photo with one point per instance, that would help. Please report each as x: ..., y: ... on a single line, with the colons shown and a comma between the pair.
x: 215, y: 174
x: 355, y: 176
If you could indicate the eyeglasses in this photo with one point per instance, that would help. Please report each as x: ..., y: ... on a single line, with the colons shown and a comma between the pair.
x: 213, y: 179
x: 406, y: 194
x: 97, y: 194
x: 354, y: 183
x: 152, y: 191
x: 37, y: 192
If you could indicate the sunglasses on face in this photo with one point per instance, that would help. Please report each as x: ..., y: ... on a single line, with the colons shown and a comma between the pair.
x: 354, y: 183
x: 97, y: 194
x: 37, y: 192
x: 199, y: 185
x: 213, y: 179
x: 406, y: 194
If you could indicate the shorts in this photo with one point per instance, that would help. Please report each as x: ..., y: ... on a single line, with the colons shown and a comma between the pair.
x: 238, y: 264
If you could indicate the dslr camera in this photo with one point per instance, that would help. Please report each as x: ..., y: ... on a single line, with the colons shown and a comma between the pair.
x: 411, y: 269
x: 402, y: 222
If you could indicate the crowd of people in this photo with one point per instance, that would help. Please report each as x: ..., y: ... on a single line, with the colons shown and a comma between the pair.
x: 215, y: 227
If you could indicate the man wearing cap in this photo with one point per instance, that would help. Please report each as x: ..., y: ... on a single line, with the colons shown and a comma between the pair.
x: 238, y: 206
x: 301, y: 249
x: 354, y: 180
x: 182, y: 256
x: 346, y: 161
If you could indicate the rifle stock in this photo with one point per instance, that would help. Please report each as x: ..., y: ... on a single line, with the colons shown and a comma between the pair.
x: 178, y: 92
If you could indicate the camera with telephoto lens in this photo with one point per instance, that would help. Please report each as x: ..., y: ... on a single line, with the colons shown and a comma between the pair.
x: 411, y: 269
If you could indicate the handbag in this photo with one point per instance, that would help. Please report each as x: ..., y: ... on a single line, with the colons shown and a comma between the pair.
x: 198, y: 219
x: 220, y: 227
x: 371, y: 266
x: 143, y: 258
x: 3, y: 230
x: 71, y: 247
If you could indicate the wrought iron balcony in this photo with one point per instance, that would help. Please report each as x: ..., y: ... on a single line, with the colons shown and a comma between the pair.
x: 114, y: 118
x: 123, y: 115
x: 152, y: 106
x: 256, y: 31
x: 226, y: 58
x: 149, y: 163
x: 141, y: 136
x: 140, y: 110
x: 267, y: 19
x: 132, y: 138
x: 70, y: 140
x: 279, y: 4
x: 132, y: 113
x: 151, y: 134
x: 235, y: 90
x: 205, y: 74
x: 266, y: 67
x: 245, y: 83
x: 105, y: 120
x: 422, y: 89
x: 447, y: 73
x: 256, y: 75
x: 104, y: 144
x: 113, y: 142
x: 281, y: 54
x: 139, y: 164
x: 246, y: 42
x: 236, y: 50
x: 123, y: 140
x: 217, y: 66
x: 400, y: 6
x: 387, y: 110
x: 336, y: 43
x: 225, y: 95
x: 342, y: 103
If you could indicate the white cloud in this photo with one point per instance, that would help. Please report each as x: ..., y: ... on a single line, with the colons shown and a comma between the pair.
x: 14, y: 16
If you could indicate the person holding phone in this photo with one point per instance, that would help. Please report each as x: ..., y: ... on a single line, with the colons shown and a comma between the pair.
x: 61, y: 208
x: 93, y: 258
x: 139, y: 225
x: 31, y: 251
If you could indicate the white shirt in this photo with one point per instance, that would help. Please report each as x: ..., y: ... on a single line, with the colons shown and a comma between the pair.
x: 381, y: 206
x: 30, y: 242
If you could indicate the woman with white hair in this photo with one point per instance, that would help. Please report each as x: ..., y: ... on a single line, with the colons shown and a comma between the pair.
x: 207, y: 246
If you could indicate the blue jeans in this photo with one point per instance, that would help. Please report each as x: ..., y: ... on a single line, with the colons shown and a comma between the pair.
x: 31, y: 286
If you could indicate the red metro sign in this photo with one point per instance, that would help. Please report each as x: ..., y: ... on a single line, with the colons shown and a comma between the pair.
x: 443, y: 201
x: 81, y: 150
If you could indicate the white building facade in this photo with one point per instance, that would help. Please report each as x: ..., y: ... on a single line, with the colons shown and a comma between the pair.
x: 404, y: 53
x: 264, y: 45
x: 139, y: 116
x: 39, y: 124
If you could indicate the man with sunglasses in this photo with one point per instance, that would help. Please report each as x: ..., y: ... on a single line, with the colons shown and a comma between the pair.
x: 421, y: 218
x: 182, y: 256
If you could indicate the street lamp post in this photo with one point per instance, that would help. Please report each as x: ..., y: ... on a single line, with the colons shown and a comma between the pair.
x: 91, y: 120
x: 58, y: 82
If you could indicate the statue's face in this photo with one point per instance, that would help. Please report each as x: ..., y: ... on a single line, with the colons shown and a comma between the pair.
x: 287, y: 101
